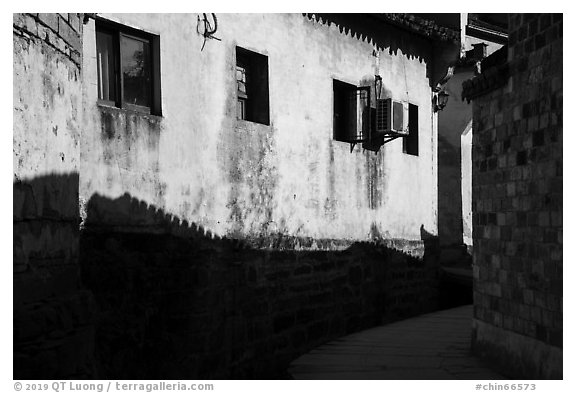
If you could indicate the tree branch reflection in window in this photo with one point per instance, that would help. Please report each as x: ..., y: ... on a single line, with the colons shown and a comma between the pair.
x: 136, y: 70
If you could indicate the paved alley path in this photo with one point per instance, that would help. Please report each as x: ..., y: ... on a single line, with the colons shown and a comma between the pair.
x: 432, y: 346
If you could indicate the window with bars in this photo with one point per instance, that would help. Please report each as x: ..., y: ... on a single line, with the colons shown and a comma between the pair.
x: 252, y: 86
x: 352, y: 112
x: 128, y: 68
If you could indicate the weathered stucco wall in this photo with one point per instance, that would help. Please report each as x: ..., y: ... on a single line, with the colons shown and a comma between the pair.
x: 53, y: 333
x: 247, y: 180
x: 466, y: 145
x: 454, y: 171
x: 452, y: 122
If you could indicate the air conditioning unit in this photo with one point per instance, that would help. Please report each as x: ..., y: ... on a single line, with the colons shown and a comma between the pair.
x: 391, y: 117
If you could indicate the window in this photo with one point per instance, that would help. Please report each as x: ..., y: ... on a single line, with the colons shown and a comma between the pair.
x: 252, y: 86
x: 128, y: 64
x: 410, y: 142
x: 352, y: 114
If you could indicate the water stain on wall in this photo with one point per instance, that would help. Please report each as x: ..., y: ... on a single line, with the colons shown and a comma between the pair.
x: 247, y: 154
x: 131, y: 149
x: 375, y: 179
x: 331, y: 202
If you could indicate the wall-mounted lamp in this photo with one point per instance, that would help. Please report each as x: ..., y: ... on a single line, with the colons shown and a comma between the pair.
x: 440, y: 100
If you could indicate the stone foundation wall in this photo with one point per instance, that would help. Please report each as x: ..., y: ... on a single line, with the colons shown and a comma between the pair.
x: 53, y: 315
x: 174, y: 301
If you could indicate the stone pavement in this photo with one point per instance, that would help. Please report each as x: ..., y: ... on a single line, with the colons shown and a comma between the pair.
x: 432, y: 346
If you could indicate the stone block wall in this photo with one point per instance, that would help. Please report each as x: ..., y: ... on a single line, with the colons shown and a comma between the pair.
x: 517, y: 202
x: 53, y: 330
x: 175, y: 301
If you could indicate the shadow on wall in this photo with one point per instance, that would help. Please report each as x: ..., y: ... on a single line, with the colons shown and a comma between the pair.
x: 137, y: 293
x: 381, y: 33
x: 175, y: 301
x: 392, y: 33
x: 450, y: 228
x: 52, y: 314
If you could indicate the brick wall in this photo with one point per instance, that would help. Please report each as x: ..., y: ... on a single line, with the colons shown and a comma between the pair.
x: 517, y: 202
x: 53, y: 329
x: 175, y: 301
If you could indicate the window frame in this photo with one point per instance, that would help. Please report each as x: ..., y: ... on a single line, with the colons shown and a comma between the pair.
x: 411, y: 142
x: 118, y: 31
x: 256, y: 99
x: 341, y: 93
x: 116, y: 50
x: 242, y: 97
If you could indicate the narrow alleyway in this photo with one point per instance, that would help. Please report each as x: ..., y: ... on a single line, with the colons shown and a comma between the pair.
x: 432, y: 346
